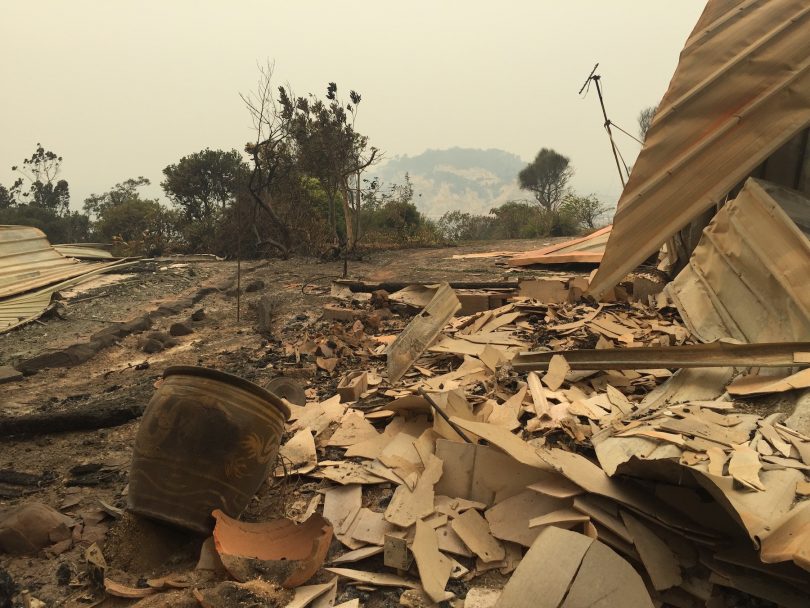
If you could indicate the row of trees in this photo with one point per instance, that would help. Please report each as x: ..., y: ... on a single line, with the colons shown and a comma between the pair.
x: 300, y: 186
x: 201, y: 186
x: 213, y: 208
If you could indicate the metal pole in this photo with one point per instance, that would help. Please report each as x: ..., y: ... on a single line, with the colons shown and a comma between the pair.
x: 598, y: 80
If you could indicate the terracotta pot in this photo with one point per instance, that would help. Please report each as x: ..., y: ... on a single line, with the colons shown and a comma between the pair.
x: 207, y: 441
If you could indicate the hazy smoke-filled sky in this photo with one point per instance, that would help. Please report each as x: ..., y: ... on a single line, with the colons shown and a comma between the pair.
x: 123, y: 88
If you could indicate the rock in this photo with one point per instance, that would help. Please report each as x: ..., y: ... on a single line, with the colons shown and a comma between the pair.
x: 151, y: 346
x: 379, y: 299
x: 9, y: 374
x: 254, y: 285
x: 31, y: 527
x: 161, y: 336
x: 180, y: 329
x: 198, y: 315
x: 8, y: 589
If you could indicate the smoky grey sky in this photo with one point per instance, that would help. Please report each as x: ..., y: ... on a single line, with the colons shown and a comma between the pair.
x: 123, y: 88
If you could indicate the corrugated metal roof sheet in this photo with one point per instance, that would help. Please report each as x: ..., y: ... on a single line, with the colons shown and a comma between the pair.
x: 748, y: 277
x: 28, y: 261
x: 586, y: 249
x: 31, y: 270
x: 741, y: 91
x: 82, y: 251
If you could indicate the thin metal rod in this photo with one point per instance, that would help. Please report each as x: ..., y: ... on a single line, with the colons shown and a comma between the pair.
x: 443, y: 414
x: 238, y: 261
x: 598, y: 80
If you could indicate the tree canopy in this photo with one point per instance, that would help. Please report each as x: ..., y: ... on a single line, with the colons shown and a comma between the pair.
x: 547, y: 177
x: 202, y: 184
x: 38, y: 182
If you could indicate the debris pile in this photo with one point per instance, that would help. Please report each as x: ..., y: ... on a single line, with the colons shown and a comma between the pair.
x: 660, y: 496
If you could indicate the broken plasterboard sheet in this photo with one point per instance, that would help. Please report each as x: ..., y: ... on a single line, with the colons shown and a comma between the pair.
x: 434, y: 567
x: 421, y: 331
x: 474, y: 532
x: 605, y: 580
x: 407, y: 506
x: 754, y: 511
x: 482, y: 473
x: 658, y: 559
x: 764, y: 385
x: 504, y: 440
x: 510, y: 518
x: 557, y: 554
x: 789, y: 539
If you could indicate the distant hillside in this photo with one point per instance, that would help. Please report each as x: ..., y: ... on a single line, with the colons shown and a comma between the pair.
x: 458, y: 178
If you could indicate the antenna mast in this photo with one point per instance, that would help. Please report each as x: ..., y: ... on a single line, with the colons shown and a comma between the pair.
x: 597, y: 79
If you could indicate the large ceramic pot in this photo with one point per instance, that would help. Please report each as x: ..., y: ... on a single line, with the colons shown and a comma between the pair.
x: 207, y: 441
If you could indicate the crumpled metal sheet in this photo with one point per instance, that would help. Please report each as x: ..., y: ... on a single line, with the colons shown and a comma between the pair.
x: 748, y: 277
x: 740, y: 92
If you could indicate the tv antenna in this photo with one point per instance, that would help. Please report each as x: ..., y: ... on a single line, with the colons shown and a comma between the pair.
x: 595, y: 78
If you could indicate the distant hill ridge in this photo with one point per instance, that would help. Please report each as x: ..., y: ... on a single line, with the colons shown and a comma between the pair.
x: 467, y: 179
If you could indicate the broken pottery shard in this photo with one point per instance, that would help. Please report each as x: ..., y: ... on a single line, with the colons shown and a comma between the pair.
x: 125, y: 591
x: 474, y: 532
x: 421, y: 331
x: 434, y: 567
x: 281, y: 550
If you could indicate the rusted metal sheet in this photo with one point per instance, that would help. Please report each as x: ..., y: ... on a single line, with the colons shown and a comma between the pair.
x: 748, y: 277
x: 741, y: 91
x: 587, y: 249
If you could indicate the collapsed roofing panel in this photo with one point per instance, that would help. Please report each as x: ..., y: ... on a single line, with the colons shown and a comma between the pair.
x: 27, y: 261
x: 85, y: 251
x: 747, y: 278
x: 740, y: 92
x: 31, y: 270
x: 587, y: 249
